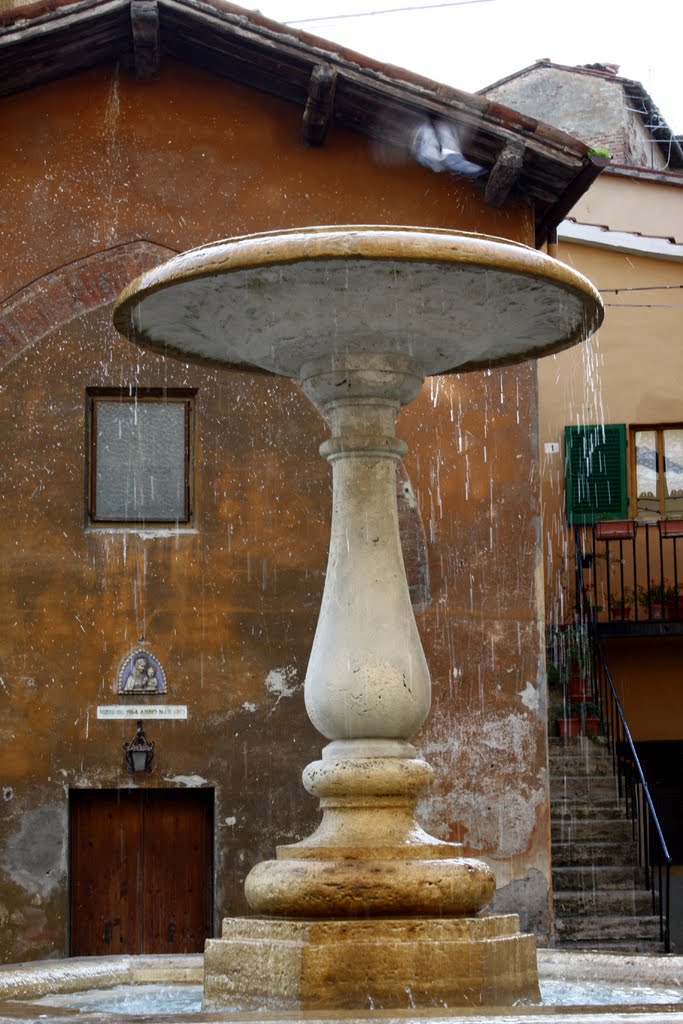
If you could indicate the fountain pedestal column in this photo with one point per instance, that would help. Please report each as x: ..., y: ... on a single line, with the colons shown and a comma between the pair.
x: 370, y: 910
x: 380, y: 913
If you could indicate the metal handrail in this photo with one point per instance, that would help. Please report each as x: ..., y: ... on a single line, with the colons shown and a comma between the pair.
x: 653, y: 853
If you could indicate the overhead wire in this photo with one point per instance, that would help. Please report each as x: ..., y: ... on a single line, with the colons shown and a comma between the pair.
x: 641, y: 288
x: 388, y: 10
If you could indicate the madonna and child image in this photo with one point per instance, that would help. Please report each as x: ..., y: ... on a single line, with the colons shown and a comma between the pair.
x: 141, y: 672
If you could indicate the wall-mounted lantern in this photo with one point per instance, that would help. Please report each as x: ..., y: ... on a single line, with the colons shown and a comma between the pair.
x: 139, y: 753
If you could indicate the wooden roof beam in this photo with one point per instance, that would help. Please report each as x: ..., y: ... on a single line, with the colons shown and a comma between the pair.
x: 505, y: 174
x: 319, y: 109
x: 144, y: 18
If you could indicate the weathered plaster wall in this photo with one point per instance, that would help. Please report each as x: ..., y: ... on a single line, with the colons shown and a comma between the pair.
x: 99, y: 161
x: 589, y: 106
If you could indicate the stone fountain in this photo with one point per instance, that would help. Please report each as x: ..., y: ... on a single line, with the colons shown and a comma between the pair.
x: 369, y: 910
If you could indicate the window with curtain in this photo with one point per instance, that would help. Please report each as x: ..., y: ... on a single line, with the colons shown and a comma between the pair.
x: 658, y: 471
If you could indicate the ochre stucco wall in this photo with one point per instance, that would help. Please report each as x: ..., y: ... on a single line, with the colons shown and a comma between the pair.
x: 652, y: 208
x: 98, y: 161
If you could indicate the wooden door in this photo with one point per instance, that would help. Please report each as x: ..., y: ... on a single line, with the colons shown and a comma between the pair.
x: 141, y: 871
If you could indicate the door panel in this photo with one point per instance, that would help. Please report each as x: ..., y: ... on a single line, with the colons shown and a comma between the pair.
x: 141, y: 871
x: 177, y: 844
x: 105, y: 874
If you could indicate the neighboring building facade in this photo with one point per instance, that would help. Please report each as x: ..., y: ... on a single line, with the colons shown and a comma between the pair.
x: 626, y: 235
x: 594, y: 103
x: 611, y: 414
x: 168, y: 525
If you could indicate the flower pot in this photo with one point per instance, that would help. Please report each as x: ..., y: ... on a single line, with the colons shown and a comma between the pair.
x: 615, y: 529
x: 579, y: 690
x: 569, y: 726
x: 620, y: 614
x: 671, y: 527
x: 590, y: 726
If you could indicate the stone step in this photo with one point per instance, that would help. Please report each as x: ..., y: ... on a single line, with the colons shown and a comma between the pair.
x: 591, y: 745
x: 603, y: 902
x: 591, y: 852
x: 594, y: 852
x: 571, y: 830
x: 588, y: 878
x: 649, y: 947
x: 581, y: 810
x: 580, y: 787
x: 608, y: 929
x: 576, y: 742
x: 568, y: 763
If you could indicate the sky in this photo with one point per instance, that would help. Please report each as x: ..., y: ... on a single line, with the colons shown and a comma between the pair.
x: 469, y: 44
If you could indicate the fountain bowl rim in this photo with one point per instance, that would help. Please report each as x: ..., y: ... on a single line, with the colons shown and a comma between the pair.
x: 357, y: 242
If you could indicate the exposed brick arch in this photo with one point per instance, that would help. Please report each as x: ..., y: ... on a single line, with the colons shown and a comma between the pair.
x: 70, y: 291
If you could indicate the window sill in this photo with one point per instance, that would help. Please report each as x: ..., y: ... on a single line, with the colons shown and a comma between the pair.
x: 146, y: 532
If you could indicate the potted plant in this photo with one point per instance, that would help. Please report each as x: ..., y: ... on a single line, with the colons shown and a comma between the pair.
x: 568, y: 725
x: 578, y: 664
x: 589, y: 717
x: 577, y: 719
x: 674, y: 602
x: 620, y: 605
x: 659, y: 596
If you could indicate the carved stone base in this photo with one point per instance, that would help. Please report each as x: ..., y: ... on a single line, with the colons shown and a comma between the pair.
x: 375, y: 963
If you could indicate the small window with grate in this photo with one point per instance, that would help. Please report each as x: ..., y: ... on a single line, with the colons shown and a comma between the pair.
x: 595, y: 472
x: 140, y: 447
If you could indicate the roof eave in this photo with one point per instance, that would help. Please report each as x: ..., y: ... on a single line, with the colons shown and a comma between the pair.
x: 369, y: 97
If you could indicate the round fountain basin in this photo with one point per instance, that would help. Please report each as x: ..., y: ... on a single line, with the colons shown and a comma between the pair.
x: 451, y: 301
x: 636, y: 988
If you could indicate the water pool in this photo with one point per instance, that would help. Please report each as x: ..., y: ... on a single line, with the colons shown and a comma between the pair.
x: 169, y: 998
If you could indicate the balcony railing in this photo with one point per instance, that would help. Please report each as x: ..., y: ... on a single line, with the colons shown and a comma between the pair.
x: 632, y: 573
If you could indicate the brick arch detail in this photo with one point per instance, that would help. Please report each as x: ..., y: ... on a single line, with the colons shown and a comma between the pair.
x: 70, y: 291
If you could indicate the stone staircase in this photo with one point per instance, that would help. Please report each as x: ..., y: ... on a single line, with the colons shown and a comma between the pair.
x: 600, y: 895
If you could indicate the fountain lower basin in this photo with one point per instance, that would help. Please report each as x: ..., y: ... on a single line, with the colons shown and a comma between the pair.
x: 57, y: 982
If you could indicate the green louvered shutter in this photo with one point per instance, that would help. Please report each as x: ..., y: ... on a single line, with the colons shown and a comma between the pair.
x: 595, y: 472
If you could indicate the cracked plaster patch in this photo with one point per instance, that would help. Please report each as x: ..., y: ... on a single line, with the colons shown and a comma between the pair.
x: 531, y: 697
x: 495, y: 796
x: 282, y: 682
x: 35, y: 856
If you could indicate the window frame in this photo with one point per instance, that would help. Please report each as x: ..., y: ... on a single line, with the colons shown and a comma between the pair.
x: 184, y: 396
x: 658, y: 428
